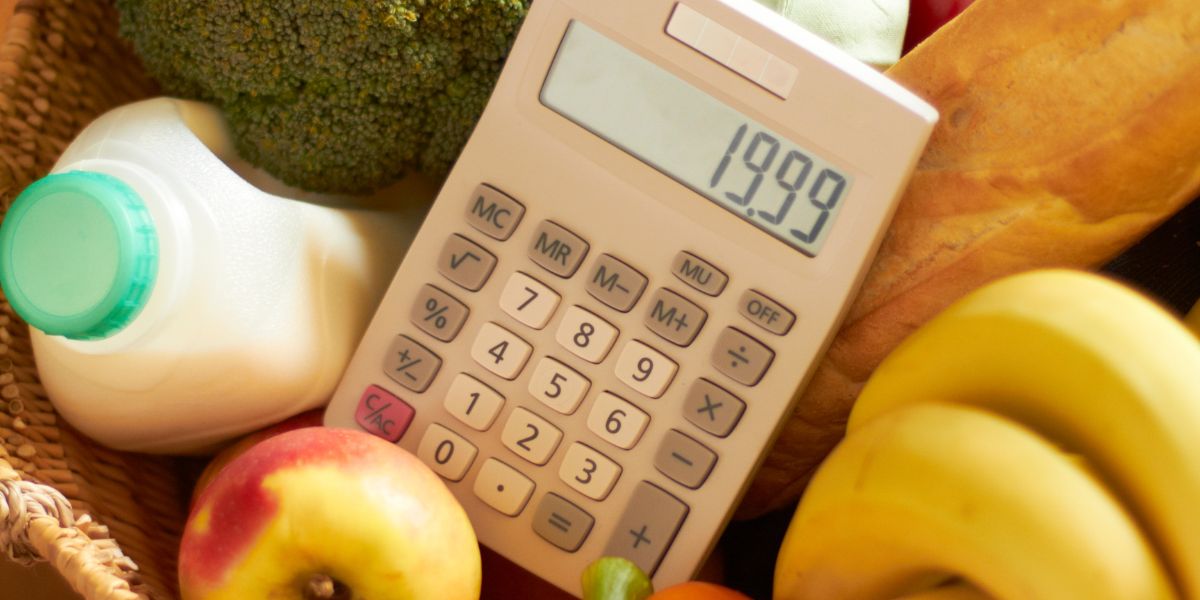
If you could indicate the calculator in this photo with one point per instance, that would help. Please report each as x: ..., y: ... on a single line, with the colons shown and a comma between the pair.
x: 633, y: 267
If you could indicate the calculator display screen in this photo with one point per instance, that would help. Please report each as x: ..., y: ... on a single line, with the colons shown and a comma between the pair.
x: 780, y: 186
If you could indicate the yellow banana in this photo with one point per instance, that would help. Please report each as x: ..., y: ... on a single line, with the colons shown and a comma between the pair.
x: 1093, y: 366
x: 955, y: 591
x: 936, y: 489
x: 1193, y: 318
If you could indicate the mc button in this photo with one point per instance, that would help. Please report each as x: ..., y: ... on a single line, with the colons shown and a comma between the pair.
x: 493, y: 212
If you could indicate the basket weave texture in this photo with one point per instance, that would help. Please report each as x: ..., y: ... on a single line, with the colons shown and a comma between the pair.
x: 108, y: 521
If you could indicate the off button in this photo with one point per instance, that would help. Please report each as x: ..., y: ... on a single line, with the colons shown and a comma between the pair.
x: 765, y: 312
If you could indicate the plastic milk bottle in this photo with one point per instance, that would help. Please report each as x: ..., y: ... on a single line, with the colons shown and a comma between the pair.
x: 172, y: 303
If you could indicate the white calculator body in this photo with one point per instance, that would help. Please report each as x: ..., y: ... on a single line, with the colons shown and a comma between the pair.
x: 632, y: 269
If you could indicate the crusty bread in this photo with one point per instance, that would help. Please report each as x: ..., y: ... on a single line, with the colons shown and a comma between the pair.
x: 1069, y: 129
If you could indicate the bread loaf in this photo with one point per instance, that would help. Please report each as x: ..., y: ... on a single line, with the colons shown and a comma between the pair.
x: 1069, y: 129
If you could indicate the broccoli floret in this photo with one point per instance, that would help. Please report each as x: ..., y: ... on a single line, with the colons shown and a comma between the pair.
x: 332, y: 95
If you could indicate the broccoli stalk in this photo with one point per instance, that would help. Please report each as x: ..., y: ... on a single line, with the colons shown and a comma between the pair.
x: 333, y: 95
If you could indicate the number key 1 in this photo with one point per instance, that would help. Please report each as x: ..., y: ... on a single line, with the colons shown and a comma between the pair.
x: 472, y: 402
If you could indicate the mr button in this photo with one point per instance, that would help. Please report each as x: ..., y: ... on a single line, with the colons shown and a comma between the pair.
x: 765, y: 312
x: 493, y: 212
x: 557, y: 250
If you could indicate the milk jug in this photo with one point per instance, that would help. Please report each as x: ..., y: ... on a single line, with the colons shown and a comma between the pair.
x: 172, y: 303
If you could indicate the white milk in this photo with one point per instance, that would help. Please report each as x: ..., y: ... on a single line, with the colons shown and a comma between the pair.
x: 254, y: 306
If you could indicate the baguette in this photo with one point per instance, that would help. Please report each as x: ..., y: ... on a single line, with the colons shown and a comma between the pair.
x: 1069, y: 130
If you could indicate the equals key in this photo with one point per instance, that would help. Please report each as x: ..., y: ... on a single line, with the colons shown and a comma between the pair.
x: 561, y: 523
x: 741, y: 357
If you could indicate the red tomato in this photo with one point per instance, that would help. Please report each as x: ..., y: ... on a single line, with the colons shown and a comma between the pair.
x: 926, y: 16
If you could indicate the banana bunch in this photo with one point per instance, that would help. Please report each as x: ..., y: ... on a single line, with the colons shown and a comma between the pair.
x: 1040, y: 439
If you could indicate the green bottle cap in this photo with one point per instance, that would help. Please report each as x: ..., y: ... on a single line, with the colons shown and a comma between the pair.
x: 78, y: 255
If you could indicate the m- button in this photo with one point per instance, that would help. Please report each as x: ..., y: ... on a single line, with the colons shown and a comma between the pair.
x: 493, y: 212
x: 615, y: 283
x: 557, y: 250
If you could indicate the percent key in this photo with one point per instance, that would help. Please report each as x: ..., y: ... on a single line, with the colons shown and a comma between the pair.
x: 438, y: 313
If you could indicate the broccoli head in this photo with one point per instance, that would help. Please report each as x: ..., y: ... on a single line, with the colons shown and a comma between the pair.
x: 339, y: 96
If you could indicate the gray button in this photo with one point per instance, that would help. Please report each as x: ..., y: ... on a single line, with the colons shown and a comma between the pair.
x: 741, y: 357
x: 557, y: 250
x: 684, y: 459
x: 439, y: 314
x: 712, y: 408
x: 699, y: 273
x: 765, y: 312
x: 410, y: 364
x: 647, y: 527
x: 493, y: 212
x: 674, y: 318
x: 466, y: 263
x: 615, y: 283
x: 562, y: 523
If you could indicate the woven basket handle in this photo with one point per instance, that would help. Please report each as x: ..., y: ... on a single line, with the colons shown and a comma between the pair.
x: 37, y: 523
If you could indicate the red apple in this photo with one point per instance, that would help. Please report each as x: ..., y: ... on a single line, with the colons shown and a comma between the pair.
x: 327, y: 513
x: 312, y: 418
x: 927, y: 16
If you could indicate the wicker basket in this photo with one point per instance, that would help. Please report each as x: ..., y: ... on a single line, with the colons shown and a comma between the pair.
x: 64, y: 499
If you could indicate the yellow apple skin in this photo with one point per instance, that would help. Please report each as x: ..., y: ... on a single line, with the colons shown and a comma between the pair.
x: 328, y: 502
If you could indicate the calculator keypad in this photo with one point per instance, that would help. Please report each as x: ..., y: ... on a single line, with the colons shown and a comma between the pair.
x: 684, y: 456
x: 586, y: 335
